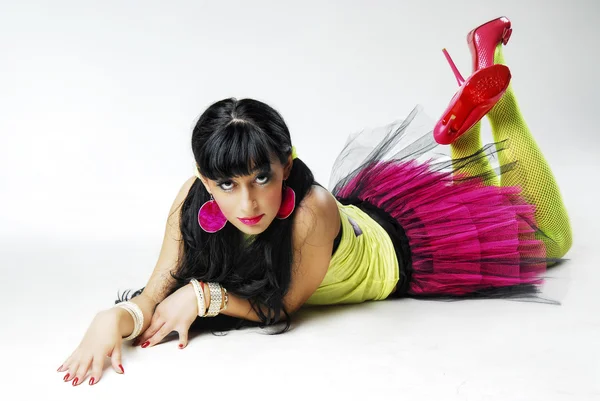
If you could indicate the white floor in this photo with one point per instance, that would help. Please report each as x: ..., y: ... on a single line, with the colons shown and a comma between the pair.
x: 422, y: 350
x: 104, y: 159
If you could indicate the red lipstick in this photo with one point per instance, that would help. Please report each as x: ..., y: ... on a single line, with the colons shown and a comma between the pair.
x: 250, y: 221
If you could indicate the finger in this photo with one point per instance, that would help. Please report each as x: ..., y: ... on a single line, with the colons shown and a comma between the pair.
x: 82, y: 371
x: 115, y: 359
x: 72, y: 369
x: 65, y: 365
x: 183, y: 338
x: 155, y: 325
x: 157, y: 337
x: 96, y: 372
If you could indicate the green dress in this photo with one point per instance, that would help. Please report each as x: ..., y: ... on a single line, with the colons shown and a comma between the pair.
x: 364, y: 266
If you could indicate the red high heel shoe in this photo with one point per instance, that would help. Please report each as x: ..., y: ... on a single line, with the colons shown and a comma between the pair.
x: 476, y: 96
x: 483, y: 40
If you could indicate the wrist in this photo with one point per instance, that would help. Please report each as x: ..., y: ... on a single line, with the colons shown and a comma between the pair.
x: 126, y: 322
x: 123, y: 319
x: 203, y: 292
x: 207, y: 298
x: 206, y: 294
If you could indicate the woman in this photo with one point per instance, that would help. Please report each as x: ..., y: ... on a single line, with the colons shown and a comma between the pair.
x: 252, y: 237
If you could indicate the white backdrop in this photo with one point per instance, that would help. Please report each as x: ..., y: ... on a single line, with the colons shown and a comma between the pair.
x: 97, y: 103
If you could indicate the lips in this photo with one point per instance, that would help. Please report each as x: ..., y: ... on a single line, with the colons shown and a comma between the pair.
x: 250, y: 221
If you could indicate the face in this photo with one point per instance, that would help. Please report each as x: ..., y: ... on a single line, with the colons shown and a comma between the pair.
x: 250, y: 202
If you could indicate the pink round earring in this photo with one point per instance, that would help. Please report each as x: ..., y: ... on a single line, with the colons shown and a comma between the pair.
x: 210, y: 217
x: 288, y: 203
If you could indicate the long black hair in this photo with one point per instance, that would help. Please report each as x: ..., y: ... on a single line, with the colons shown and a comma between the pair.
x: 230, y: 139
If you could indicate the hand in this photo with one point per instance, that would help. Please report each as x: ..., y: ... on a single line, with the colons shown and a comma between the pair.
x: 177, y: 312
x: 102, y: 339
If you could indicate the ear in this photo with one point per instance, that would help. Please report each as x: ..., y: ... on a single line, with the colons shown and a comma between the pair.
x: 287, y: 169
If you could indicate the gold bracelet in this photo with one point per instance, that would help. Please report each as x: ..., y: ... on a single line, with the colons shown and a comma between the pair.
x: 225, y: 299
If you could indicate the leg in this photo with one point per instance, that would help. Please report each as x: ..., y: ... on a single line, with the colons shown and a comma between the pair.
x: 532, y: 172
x: 465, y: 146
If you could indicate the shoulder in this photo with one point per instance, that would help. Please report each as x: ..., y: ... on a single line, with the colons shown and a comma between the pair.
x: 317, y: 217
x: 185, y: 188
x: 182, y: 193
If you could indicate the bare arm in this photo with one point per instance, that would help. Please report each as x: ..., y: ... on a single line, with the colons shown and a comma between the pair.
x: 160, y: 280
x: 316, y: 224
x: 105, y: 334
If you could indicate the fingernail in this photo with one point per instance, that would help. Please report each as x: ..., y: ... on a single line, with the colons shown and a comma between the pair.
x: 92, y: 380
x: 66, y: 377
x: 122, y: 370
x: 58, y: 370
x: 75, y: 381
x: 180, y: 345
x: 144, y: 345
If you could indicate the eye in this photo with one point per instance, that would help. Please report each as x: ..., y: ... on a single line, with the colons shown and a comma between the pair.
x: 263, y: 179
x: 226, y: 185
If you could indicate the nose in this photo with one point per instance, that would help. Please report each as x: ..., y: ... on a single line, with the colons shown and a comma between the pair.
x: 248, y: 203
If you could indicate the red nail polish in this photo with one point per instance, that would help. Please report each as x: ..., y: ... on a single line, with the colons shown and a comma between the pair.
x: 75, y: 381
x: 92, y: 380
x: 66, y: 377
x: 144, y: 345
x: 180, y: 345
x: 58, y: 370
x: 122, y: 370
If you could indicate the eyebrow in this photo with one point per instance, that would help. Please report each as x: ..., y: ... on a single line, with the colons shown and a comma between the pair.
x: 266, y: 168
x: 262, y: 169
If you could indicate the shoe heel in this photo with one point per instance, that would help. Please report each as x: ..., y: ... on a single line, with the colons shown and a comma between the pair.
x: 457, y: 74
x: 482, y: 41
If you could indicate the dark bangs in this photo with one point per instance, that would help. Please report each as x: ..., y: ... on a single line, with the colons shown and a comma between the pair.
x: 239, y: 149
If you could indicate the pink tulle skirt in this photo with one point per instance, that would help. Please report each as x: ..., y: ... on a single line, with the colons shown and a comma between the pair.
x: 463, y: 236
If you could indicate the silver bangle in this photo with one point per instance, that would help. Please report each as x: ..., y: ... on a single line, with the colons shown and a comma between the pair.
x: 138, y: 318
x: 216, y: 299
x: 199, y: 297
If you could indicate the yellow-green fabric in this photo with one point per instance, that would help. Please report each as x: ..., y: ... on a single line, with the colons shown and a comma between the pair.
x: 533, y: 173
x: 363, y: 268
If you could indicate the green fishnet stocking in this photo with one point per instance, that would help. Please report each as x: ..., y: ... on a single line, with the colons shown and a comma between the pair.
x: 532, y: 173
